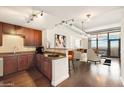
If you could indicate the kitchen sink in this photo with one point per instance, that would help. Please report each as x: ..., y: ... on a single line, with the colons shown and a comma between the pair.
x: 55, y: 55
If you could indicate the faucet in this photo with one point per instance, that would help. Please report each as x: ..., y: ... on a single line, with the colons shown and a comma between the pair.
x: 14, y: 50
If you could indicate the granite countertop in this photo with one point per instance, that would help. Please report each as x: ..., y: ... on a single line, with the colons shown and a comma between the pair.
x: 17, y: 53
x: 55, y: 58
x: 52, y: 57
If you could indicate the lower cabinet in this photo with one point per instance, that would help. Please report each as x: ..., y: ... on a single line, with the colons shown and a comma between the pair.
x: 15, y: 63
x: 48, y: 68
x: 22, y: 62
x: 38, y: 62
x: 10, y: 64
x: 44, y: 65
x: 31, y: 60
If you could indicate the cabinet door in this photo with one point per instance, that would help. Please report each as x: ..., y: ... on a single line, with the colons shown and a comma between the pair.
x: 42, y: 60
x: 8, y: 28
x: 38, y: 38
x: 29, y: 37
x: 0, y: 34
x: 22, y: 62
x: 20, y: 30
x: 10, y: 64
x: 38, y: 62
x: 48, y: 68
x: 30, y: 60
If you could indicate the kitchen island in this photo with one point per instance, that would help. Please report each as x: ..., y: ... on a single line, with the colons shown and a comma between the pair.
x: 59, y: 71
x: 55, y: 68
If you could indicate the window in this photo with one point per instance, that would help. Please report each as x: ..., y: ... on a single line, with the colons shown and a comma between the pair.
x: 93, y: 44
x: 103, y: 44
x: 94, y: 41
x: 115, y: 35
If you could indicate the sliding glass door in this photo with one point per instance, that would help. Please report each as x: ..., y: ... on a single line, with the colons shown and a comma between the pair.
x: 114, y: 48
x: 114, y: 44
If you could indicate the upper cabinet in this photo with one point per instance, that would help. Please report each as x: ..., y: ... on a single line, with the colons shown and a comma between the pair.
x: 38, y: 38
x: 0, y: 34
x: 19, y: 30
x: 32, y: 37
x: 8, y: 28
x: 29, y: 37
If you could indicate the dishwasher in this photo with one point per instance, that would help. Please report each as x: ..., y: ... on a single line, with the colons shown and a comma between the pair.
x: 1, y: 67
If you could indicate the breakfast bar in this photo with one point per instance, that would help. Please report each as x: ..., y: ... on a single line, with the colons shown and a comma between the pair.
x: 54, y: 67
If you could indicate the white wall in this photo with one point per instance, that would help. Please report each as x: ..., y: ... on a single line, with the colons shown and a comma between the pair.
x: 71, y: 37
x: 122, y: 49
x: 84, y: 43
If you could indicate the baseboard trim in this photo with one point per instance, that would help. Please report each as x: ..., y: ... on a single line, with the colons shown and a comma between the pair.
x: 55, y: 83
x: 122, y: 81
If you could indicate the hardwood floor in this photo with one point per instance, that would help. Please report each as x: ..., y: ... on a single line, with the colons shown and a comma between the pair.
x: 29, y: 78
x: 85, y: 75
x: 91, y: 75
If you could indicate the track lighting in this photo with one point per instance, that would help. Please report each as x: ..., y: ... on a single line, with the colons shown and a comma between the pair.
x: 66, y: 22
x: 34, y: 16
x: 41, y: 14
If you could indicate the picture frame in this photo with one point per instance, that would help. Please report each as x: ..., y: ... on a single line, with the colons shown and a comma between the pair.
x: 60, y: 41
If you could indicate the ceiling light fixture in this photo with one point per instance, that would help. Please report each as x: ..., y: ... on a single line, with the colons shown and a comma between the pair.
x: 88, y: 16
x: 83, y: 27
x: 66, y: 22
x: 70, y: 22
x: 84, y: 33
x: 34, y: 16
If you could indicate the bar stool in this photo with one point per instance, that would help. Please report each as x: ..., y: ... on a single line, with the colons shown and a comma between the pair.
x: 71, y: 59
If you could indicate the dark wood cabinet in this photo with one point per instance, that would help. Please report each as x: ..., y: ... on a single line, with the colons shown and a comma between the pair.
x: 38, y: 38
x: 26, y: 34
x: 14, y: 63
x: 22, y: 62
x: 44, y: 65
x: 8, y: 28
x: 10, y: 64
x: 0, y: 34
x: 29, y: 37
x: 20, y: 30
x: 48, y: 68
x: 31, y: 60
x: 38, y: 62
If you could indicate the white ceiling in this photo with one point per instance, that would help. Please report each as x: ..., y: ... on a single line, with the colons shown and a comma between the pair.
x: 100, y: 15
